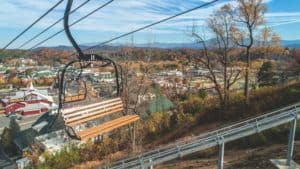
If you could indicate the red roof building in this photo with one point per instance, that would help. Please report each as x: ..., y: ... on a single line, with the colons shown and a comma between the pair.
x: 28, y: 102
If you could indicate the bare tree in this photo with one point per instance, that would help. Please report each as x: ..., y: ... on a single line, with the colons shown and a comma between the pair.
x: 248, y: 16
x: 219, y: 59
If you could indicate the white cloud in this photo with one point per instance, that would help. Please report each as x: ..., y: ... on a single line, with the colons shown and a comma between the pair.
x: 283, y: 14
x: 120, y: 16
x: 130, y: 12
x: 282, y: 18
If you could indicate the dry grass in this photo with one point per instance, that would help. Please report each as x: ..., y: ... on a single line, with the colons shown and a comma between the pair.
x: 258, y: 158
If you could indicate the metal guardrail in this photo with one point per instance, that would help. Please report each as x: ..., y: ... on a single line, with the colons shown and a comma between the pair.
x: 210, y: 139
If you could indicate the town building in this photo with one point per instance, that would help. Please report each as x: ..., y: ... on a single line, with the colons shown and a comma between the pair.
x: 146, y: 97
x: 28, y: 102
x: 55, y: 141
x: 171, y: 73
x: 103, y: 77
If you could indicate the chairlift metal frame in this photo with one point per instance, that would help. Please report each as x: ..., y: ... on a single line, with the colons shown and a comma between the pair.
x: 84, y: 60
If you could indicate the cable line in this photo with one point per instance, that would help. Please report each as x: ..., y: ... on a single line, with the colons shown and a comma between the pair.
x: 49, y: 27
x: 150, y: 25
x: 30, y: 26
x: 77, y: 21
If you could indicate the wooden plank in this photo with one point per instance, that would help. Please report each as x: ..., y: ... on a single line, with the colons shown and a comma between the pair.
x: 75, y: 109
x: 88, y: 111
x: 90, y: 106
x: 89, y: 117
x: 75, y: 114
x: 106, y: 130
x: 108, y: 124
x: 81, y: 116
x: 107, y: 127
x: 71, y: 124
x: 74, y: 98
x: 104, y: 125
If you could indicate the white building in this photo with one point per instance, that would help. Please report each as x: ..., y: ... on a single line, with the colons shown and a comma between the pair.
x: 146, y: 97
x: 171, y: 73
x: 55, y: 141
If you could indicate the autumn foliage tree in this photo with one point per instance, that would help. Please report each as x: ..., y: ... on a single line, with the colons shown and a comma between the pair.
x: 269, y: 44
x: 219, y: 58
x: 247, y: 16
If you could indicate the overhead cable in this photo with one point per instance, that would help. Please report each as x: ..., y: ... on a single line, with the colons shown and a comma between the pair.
x: 75, y: 22
x: 150, y: 25
x: 35, y: 22
x: 49, y: 27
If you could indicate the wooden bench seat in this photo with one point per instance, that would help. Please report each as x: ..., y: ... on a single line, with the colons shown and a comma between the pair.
x: 93, y: 111
x: 106, y: 127
x: 79, y: 115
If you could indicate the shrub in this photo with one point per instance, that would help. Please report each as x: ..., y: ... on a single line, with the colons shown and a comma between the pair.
x: 193, y: 105
x: 202, y: 93
x: 64, y: 159
x: 185, y: 120
x: 157, y: 122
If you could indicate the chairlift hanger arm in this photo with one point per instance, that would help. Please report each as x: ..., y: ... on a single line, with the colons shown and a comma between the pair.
x: 82, y: 57
x: 67, y: 29
x: 95, y: 58
x: 61, y: 83
x: 107, y: 61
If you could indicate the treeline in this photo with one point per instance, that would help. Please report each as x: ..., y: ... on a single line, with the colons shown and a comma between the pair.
x: 10, y: 54
x: 50, y: 56
x: 152, y: 54
x: 45, y: 56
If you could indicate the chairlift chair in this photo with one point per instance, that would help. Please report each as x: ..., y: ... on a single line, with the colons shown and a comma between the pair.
x: 69, y: 85
x: 77, y: 118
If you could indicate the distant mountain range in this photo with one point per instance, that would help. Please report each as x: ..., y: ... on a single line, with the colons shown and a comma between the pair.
x: 285, y: 43
x: 155, y: 45
x: 291, y: 43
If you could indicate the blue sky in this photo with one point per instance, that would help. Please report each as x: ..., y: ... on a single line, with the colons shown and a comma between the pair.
x: 125, y: 15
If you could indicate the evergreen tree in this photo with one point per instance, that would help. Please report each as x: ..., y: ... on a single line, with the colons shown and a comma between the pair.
x: 14, y: 126
x: 265, y: 75
x: 6, y: 139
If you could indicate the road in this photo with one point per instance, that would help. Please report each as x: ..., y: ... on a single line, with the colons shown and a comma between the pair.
x: 25, y: 123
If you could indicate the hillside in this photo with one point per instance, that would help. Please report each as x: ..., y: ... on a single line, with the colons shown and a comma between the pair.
x: 258, y: 157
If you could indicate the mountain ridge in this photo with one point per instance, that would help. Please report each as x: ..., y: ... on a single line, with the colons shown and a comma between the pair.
x: 192, y: 45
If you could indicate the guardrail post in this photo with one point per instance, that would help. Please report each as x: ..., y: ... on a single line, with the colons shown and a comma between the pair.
x: 179, y: 151
x: 293, y: 126
x: 142, y: 162
x: 123, y: 164
x: 221, y: 154
x: 151, y: 165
